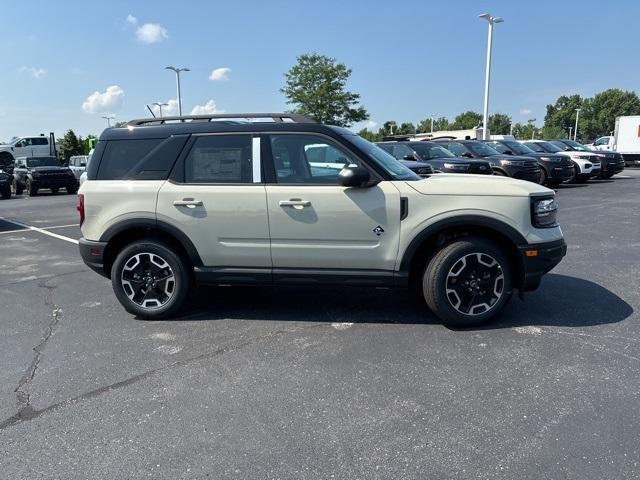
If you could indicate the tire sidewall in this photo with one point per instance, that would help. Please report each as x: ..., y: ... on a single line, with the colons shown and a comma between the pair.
x: 435, y: 277
x: 180, y: 272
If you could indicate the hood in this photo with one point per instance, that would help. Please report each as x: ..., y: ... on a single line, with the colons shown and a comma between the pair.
x: 575, y: 153
x: 517, y: 158
x: 477, y: 185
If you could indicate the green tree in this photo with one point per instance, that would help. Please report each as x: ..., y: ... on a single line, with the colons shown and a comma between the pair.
x: 441, y: 123
x: 406, y: 128
x: 499, y: 124
x: 69, y: 146
x: 562, y: 114
x: 369, y: 135
x: 390, y: 127
x: 466, y: 121
x: 120, y: 124
x: 551, y: 132
x: 603, y: 110
x: 526, y: 131
x: 316, y: 87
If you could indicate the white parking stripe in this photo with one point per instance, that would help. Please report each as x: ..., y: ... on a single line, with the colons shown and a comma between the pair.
x: 42, y: 228
x: 39, y: 230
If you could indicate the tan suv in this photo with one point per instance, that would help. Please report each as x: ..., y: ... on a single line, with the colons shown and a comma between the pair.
x: 279, y: 199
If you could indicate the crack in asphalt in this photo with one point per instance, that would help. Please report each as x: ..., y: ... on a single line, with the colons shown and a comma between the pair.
x: 23, y: 397
x: 27, y: 412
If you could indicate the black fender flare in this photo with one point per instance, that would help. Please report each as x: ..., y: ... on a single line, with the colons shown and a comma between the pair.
x: 151, y: 224
x: 458, y: 221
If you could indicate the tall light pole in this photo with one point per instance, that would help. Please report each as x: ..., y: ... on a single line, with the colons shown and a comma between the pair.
x: 108, y: 118
x: 177, y: 71
x: 485, y: 117
x: 575, y: 130
x: 432, y: 116
x: 160, y: 105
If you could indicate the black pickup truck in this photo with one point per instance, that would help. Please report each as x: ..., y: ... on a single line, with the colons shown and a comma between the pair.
x: 34, y: 173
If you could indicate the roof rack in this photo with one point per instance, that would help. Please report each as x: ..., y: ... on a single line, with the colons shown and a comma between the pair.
x: 274, y: 117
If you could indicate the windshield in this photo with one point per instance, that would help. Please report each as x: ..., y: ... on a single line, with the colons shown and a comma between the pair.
x: 43, y: 162
x: 549, y: 147
x: 536, y: 148
x: 518, y: 148
x: 561, y: 146
x: 576, y: 146
x: 481, y: 149
x: 385, y: 160
x: 428, y: 151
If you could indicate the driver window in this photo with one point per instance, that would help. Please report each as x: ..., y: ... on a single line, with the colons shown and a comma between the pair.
x: 308, y: 159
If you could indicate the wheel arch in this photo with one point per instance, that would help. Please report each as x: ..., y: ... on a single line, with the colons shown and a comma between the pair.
x: 121, y: 234
x: 426, y: 243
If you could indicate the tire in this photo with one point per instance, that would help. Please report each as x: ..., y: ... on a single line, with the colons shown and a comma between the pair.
x: 6, y: 192
x: 17, y: 187
x: 54, y: 190
x: 31, y: 188
x: 129, y: 272
x: 544, y: 178
x: 578, y: 177
x: 457, y: 263
x: 72, y: 190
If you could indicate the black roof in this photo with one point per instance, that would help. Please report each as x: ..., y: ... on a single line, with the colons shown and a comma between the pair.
x: 243, y: 122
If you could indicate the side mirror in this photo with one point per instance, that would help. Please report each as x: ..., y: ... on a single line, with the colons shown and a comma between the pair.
x: 508, y: 152
x: 467, y: 155
x: 65, y: 164
x: 410, y: 156
x: 354, y: 177
x: 83, y: 164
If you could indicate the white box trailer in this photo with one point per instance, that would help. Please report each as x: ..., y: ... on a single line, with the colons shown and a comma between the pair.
x: 626, y: 139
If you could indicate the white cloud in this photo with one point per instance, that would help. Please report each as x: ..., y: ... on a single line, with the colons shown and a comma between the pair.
x: 525, y: 111
x: 170, y: 109
x: 370, y: 125
x: 33, y: 71
x: 104, y: 102
x: 220, y: 74
x: 151, y: 33
x: 206, y: 109
x: 131, y: 20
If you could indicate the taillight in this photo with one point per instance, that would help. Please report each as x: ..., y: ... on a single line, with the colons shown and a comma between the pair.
x: 80, y: 207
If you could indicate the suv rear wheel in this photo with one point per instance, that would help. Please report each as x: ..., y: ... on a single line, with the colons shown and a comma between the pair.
x: 150, y: 280
x: 467, y: 282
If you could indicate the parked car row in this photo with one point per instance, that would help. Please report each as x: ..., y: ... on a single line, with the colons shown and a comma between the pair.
x: 546, y: 162
x: 32, y: 174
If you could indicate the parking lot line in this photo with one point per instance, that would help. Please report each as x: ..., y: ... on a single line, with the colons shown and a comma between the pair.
x: 39, y: 230
x: 42, y: 228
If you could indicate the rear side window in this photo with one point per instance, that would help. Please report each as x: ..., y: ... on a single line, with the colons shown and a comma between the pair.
x: 457, y: 149
x: 220, y: 159
x: 120, y: 156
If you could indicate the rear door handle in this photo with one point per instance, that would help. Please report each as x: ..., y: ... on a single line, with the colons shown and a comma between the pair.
x: 187, y: 202
x: 295, y: 202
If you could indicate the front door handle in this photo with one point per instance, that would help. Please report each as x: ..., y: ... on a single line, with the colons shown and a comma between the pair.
x: 295, y: 202
x: 187, y: 202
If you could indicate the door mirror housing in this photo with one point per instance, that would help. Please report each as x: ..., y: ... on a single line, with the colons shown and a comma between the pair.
x: 354, y: 177
x: 467, y: 155
x: 508, y: 152
x: 410, y: 156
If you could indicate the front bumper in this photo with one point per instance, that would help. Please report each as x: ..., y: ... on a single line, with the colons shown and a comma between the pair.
x: 92, y: 254
x: 55, y: 182
x: 531, y: 174
x: 538, y: 259
x: 560, y: 173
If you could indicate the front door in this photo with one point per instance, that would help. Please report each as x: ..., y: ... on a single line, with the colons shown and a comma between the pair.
x: 220, y: 202
x: 318, y: 225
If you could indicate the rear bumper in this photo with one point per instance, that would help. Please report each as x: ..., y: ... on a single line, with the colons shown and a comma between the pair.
x: 538, y: 259
x: 92, y: 254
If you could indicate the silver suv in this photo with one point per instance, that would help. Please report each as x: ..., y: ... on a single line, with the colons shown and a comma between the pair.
x: 279, y: 199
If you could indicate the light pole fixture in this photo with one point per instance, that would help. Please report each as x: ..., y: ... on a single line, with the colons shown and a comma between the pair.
x: 177, y: 72
x: 108, y: 118
x: 485, y: 117
x: 432, y: 117
x: 575, y: 130
x: 160, y: 105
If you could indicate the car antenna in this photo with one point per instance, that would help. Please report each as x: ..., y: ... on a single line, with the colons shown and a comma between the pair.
x: 151, y: 111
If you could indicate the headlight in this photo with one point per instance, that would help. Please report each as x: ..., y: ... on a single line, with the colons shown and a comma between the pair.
x: 551, y: 159
x: 583, y: 157
x: 510, y: 162
x: 457, y: 166
x: 544, y: 212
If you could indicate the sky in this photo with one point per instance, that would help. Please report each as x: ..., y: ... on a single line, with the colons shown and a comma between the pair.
x: 68, y: 63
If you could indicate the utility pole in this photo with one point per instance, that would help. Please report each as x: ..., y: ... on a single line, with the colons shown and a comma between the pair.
x: 485, y: 117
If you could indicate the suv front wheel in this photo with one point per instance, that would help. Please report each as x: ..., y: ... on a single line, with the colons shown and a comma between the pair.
x: 150, y: 280
x: 467, y: 282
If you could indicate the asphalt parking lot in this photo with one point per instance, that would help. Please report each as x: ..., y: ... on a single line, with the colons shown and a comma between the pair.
x: 296, y: 383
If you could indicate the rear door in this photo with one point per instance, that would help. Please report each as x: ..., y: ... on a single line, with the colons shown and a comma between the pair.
x: 217, y: 199
x: 319, y: 227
